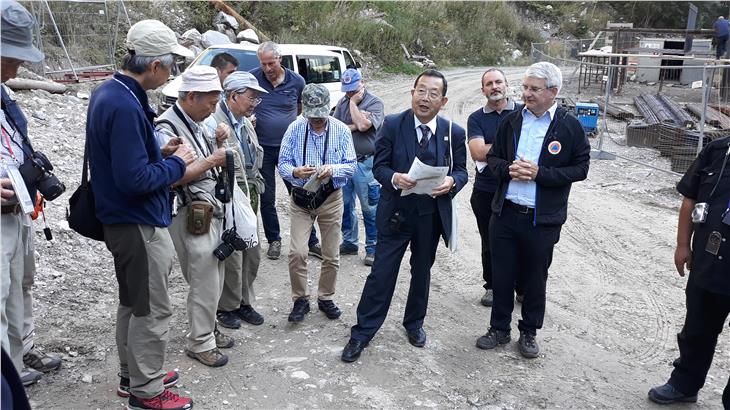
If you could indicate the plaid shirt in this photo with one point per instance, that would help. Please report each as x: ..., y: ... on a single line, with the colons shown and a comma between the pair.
x: 340, y: 151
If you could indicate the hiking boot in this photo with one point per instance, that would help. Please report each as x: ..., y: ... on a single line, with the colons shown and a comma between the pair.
x: 348, y: 249
x: 212, y: 357
x: 223, y: 341
x: 528, y: 346
x: 315, y: 250
x: 274, y: 250
x: 329, y: 308
x: 493, y: 338
x: 668, y: 394
x: 301, y: 308
x: 166, y: 400
x: 41, y: 361
x: 168, y: 381
x: 369, y: 259
x: 229, y: 320
x: 30, y: 376
x: 248, y: 314
x: 488, y: 298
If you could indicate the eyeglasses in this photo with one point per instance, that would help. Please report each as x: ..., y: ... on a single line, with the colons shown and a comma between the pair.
x: 254, y: 100
x: 533, y: 89
x: 431, y: 95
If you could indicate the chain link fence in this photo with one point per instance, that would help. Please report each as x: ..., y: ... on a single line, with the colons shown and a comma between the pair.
x: 658, y: 111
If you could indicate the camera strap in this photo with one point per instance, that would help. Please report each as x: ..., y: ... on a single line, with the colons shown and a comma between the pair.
x: 197, y: 143
x: 231, y: 175
x: 306, y: 138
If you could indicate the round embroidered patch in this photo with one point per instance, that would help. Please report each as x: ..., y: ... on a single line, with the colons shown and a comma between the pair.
x: 554, y: 147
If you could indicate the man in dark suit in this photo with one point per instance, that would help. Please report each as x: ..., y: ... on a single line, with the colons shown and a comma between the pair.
x: 418, y: 220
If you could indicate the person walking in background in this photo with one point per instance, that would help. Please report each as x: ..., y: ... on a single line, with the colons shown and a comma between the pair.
x: 722, y: 30
x: 362, y: 112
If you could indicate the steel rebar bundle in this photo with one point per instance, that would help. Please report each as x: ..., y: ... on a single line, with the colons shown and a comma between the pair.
x: 681, y: 116
x: 643, y: 107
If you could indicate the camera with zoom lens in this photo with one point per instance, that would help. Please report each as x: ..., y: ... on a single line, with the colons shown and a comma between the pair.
x: 36, y: 171
x: 699, y: 213
x: 231, y: 242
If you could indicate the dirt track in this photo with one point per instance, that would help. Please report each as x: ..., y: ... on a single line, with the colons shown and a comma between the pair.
x: 614, y: 306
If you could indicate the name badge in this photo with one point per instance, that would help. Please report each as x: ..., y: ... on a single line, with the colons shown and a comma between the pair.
x: 713, y: 243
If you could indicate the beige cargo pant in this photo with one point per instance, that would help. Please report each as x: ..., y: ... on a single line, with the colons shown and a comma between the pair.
x: 204, y: 273
x: 329, y: 219
x: 15, y: 236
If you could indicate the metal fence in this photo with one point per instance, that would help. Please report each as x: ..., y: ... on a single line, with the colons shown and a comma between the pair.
x: 653, y: 111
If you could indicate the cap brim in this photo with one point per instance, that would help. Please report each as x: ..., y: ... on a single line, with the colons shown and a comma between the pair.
x: 353, y: 86
x: 29, y: 54
x: 258, y: 88
x: 316, y: 112
x: 182, y: 51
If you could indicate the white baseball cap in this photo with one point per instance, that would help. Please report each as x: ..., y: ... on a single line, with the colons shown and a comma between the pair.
x: 200, y: 78
x: 150, y: 38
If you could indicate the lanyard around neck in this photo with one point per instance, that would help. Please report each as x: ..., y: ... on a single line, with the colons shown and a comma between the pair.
x: 306, y: 138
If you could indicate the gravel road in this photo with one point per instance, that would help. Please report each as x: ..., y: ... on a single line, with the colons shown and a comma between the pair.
x: 614, y: 306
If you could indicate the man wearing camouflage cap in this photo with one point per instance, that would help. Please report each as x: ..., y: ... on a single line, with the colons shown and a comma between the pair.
x: 316, y: 150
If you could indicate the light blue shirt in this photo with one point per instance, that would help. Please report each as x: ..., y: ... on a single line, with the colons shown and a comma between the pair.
x: 532, y: 137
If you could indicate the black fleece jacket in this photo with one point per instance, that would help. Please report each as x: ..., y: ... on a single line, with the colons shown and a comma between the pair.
x: 556, y: 171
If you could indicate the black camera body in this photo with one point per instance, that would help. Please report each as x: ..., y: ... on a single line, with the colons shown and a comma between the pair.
x: 36, y: 171
x: 231, y: 242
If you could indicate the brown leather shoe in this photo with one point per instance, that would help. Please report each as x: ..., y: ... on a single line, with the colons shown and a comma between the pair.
x: 212, y: 357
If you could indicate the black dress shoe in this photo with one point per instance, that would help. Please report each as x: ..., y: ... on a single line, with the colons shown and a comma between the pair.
x: 301, y: 308
x: 667, y: 394
x: 417, y: 337
x: 329, y: 308
x: 352, y: 350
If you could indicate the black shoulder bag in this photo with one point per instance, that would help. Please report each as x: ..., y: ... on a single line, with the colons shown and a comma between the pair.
x: 308, y: 199
x: 81, y: 212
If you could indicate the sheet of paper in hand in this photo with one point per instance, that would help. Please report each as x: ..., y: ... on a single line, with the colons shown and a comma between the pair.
x: 427, y: 178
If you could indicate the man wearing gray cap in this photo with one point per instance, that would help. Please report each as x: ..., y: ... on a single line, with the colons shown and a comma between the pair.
x: 131, y: 185
x: 241, y: 91
x: 198, y: 222
x: 317, y: 157
x: 17, y: 259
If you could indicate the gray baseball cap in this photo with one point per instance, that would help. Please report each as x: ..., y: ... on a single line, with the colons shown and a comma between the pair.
x: 315, y: 101
x: 17, y: 26
x: 239, y: 80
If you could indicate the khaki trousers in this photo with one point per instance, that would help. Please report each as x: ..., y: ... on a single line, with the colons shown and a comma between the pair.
x: 241, y: 268
x: 143, y: 257
x: 204, y: 273
x: 329, y: 219
x: 15, y: 235
x: 28, y: 281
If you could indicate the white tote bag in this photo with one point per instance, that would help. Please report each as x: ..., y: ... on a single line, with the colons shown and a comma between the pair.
x: 245, y: 217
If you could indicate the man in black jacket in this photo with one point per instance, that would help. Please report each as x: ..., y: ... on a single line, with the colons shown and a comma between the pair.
x: 537, y: 154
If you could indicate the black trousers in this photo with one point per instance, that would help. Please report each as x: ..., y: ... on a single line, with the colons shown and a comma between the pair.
x: 706, y: 315
x: 422, y: 233
x: 525, y: 254
x: 481, y: 205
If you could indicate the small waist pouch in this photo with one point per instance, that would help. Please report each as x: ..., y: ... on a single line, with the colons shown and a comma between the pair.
x: 200, y: 215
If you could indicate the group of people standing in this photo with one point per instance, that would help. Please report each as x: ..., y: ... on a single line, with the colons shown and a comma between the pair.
x: 156, y: 182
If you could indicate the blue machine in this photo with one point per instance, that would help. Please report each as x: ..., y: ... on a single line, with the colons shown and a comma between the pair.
x: 587, y: 114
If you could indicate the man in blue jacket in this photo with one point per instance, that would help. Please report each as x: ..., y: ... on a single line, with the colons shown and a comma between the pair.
x: 418, y: 220
x: 131, y: 183
x: 537, y: 154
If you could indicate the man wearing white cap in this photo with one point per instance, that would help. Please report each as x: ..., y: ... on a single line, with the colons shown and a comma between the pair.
x: 198, y: 224
x: 17, y: 259
x: 241, y: 92
x: 131, y: 186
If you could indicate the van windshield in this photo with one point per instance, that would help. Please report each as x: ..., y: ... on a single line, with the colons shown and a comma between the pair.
x: 319, y: 69
x: 247, y: 59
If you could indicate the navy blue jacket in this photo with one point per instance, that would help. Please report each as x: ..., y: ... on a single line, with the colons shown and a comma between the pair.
x: 130, y: 179
x: 557, y: 171
x: 395, y: 149
x: 17, y: 120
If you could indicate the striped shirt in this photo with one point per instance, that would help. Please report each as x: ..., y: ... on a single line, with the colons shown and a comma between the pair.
x: 340, y: 151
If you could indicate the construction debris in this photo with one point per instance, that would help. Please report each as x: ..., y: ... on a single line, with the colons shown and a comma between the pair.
x: 681, y: 117
x: 712, y: 116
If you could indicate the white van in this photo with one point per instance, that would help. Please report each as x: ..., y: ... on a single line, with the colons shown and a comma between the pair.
x: 316, y: 63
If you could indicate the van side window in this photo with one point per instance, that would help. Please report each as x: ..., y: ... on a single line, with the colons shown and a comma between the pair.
x: 287, y: 62
x: 319, y: 69
x: 349, y: 61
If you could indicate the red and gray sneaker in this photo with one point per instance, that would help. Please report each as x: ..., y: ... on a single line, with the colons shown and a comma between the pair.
x: 167, y: 400
x: 170, y: 380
